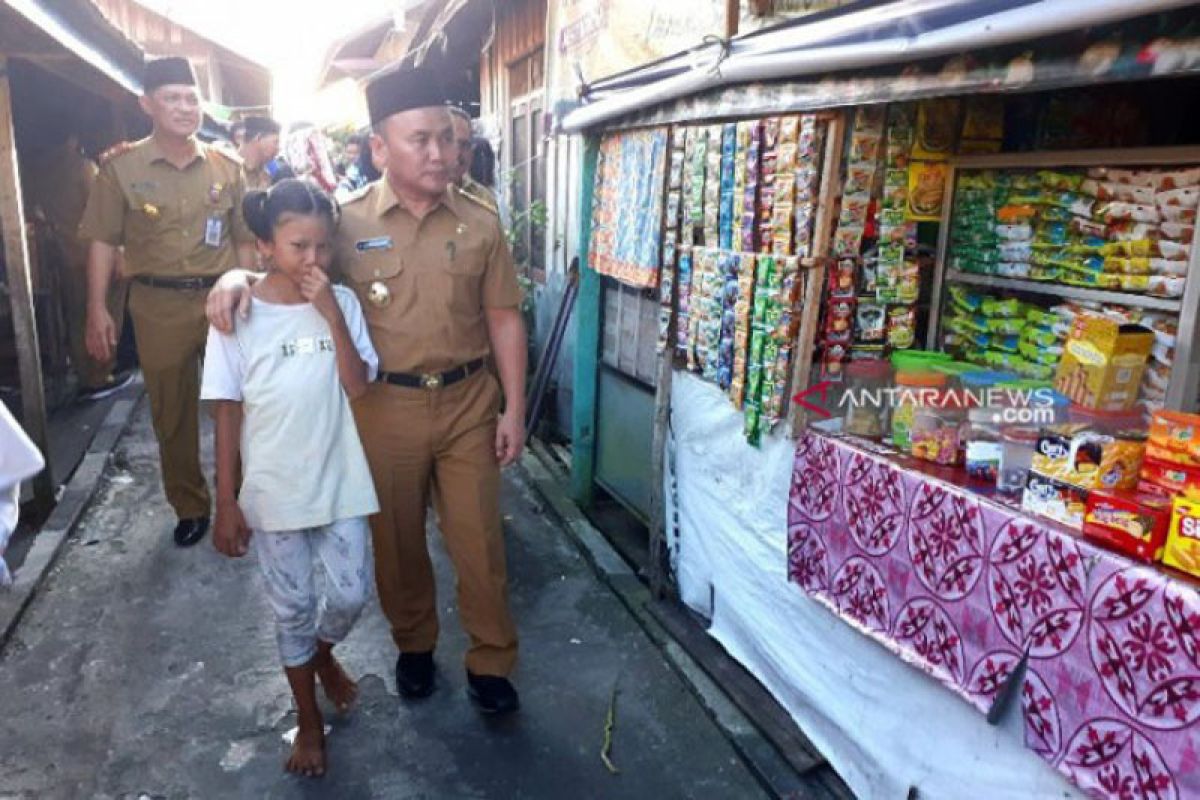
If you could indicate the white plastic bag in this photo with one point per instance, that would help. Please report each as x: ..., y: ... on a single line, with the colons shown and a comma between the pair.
x: 19, y: 459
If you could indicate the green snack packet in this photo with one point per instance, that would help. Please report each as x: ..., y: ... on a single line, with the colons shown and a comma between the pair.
x: 1008, y: 327
x: 994, y: 307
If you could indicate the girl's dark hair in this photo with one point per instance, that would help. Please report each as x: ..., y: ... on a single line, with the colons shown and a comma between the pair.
x: 262, y: 209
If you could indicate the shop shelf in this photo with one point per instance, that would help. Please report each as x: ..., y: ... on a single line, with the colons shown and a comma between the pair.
x: 1066, y: 292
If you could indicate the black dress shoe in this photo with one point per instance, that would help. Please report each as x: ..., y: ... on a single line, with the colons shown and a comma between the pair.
x: 190, y: 531
x: 492, y: 694
x: 414, y: 674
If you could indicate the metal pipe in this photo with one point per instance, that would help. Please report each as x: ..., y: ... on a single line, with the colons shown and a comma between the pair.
x: 1021, y: 24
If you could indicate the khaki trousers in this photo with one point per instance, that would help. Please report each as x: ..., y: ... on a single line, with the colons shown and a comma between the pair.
x: 171, y: 332
x: 439, y: 443
x: 92, y: 374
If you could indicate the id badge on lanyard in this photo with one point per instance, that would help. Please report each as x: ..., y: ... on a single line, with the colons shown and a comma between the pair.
x: 214, y: 226
x: 212, y: 231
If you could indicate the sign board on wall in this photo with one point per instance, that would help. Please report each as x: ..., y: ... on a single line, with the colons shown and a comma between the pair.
x: 604, y: 37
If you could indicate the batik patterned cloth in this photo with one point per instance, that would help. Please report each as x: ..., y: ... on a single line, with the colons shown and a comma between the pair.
x: 962, y: 587
x: 627, y: 207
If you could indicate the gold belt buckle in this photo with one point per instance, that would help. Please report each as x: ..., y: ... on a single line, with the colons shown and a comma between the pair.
x: 431, y: 380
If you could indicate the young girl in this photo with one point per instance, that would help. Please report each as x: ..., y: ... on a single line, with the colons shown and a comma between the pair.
x: 280, y: 384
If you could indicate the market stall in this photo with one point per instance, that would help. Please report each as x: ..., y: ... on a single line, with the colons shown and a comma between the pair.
x: 993, y: 508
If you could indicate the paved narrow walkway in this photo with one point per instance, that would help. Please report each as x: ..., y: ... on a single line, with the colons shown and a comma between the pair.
x: 143, y: 670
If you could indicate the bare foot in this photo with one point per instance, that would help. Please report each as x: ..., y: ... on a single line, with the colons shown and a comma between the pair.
x: 337, y: 685
x: 308, y: 751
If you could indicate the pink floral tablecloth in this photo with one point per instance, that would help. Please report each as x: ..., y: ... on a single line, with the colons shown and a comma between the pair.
x: 964, y: 588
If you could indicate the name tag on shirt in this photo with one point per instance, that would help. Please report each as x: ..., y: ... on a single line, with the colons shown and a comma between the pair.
x: 307, y: 346
x: 212, y: 231
x: 378, y: 243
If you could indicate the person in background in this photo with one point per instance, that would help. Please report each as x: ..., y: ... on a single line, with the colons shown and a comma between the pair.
x: 433, y: 270
x: 60, y: 180
x: 464, y: 150
x: 483, y: 164
x: 359, y: 170
x: 174, y: 204
x: 280, y: 384
x: 237, y: 134
x: 350, y: 154
x: 260, y: 147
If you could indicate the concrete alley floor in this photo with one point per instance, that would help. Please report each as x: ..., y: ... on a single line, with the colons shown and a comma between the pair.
x: 143, y: 670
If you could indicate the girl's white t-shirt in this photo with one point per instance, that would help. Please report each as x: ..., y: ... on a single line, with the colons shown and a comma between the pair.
x: 303, y: 464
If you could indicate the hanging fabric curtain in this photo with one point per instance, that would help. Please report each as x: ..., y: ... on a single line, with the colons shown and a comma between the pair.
x: 627, y: 210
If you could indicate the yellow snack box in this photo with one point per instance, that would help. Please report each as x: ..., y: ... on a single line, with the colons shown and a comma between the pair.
x: 1182, y: 550
x: 1102, y: 363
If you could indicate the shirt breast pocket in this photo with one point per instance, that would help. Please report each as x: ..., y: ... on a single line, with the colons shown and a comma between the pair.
x: 465, y: 264
x: 148, y: 215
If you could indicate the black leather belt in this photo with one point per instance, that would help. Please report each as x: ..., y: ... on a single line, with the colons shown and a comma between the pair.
x: 431, y: 380
x: 205, y: 282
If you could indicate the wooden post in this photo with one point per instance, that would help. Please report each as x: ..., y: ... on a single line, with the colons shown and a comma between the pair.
x: 20, y: 290
x: 733, y: 13
x: 587, y: 340
x: 810, y: 307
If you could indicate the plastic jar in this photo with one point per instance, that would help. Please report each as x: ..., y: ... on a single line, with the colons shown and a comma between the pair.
x: 913, y: 388
x: 936, y: 428
x: 1016, y: 457
x: 918, y: 360
x: 982, y: 446
x: 864, y: 400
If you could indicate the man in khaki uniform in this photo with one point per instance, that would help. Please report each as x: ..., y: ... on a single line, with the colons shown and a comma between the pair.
x: 174, y: 204
x: 60, y: 180
x: 260, y: 146
x: 464, y: 150
x: 436, y: 280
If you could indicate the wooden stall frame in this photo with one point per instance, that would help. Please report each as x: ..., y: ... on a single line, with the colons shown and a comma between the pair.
x: 656, y: 570
x: 20, y: 288
x: 814, y: 285
x: 1183, y: 391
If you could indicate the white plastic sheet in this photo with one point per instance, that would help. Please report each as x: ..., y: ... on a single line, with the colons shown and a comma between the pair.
x: 19, y: 459
x: 884, y: 726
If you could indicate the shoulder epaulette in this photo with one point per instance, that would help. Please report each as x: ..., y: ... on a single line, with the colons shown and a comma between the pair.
x: 118, y: 149
x: 356, y: 195
x: 479, y: 201
x: 229, y: 154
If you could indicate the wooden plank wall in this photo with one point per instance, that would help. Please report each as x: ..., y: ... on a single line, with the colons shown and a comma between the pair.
x: 520, y: 30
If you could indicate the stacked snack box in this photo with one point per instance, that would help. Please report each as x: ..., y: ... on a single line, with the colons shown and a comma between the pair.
x: 1161, y: 519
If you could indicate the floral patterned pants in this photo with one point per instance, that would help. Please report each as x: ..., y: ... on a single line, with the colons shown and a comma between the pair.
x: 286, y: 559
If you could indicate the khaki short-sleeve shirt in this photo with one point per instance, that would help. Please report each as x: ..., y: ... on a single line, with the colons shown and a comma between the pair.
x: 424, y: 283
x: 258, y: 178
x: 172, y: 222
